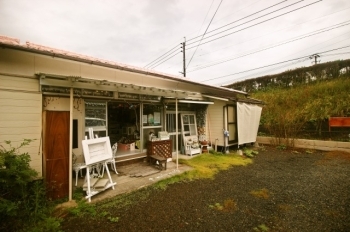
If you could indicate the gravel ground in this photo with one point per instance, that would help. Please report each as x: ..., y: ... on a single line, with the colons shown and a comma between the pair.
x: 289, y: 190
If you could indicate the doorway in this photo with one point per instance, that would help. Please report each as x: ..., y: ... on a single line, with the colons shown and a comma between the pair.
x: 56, y: 153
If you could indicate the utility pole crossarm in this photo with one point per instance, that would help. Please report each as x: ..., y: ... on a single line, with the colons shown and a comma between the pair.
x: 314, y: 56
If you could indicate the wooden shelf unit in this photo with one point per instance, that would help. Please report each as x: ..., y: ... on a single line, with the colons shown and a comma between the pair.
x: 162, y: 148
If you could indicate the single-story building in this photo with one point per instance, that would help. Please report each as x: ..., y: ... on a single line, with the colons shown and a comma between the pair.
x: 57, y: 98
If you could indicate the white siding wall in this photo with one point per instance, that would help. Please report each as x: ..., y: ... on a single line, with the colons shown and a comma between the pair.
x: 20, y: 118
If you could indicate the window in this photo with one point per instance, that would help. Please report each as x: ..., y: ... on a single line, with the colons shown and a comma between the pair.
x: 152, y: 115
x: 95, y: 118
x: 189, y: 125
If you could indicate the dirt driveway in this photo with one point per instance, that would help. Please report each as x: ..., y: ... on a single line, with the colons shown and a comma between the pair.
x: 283, y: 190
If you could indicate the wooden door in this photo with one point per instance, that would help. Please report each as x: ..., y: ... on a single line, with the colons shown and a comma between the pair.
x: 56, y: 153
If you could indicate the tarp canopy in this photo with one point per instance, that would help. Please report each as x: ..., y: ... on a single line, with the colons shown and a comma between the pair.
x: 248, y: 117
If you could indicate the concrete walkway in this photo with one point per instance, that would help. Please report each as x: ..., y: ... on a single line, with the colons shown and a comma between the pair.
x: 135, y: 176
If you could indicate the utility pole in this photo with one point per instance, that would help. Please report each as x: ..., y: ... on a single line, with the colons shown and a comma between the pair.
x: 184, y: 56
x: 314, y: 56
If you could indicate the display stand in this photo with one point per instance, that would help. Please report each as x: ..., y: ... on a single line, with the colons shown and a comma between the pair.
x: 97, y: 152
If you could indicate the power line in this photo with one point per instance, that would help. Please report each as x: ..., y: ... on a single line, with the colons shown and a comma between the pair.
x: 240, y: 9
x: 261, y: 73
x: 239, y: 19
x: 203, y: 54
x: 282, y: 62
x: 204, y: 33
x: 257, y: 23
x: 277, y: 68
x: 273, y: 46
x: 248, y: 21
x: 336, y: 54
x: 184, y: 43
x: 164, y: 60
x: 181, y: 43
x: 165, y: 54
x: 165, y: 57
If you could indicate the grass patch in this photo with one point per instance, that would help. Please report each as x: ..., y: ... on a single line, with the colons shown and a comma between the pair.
x: 204, y: 166
x: 261, y: 193
x: 124, y: 200
x: 207, y: 165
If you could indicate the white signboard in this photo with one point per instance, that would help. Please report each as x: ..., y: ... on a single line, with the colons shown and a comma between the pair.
x: 97, y: 150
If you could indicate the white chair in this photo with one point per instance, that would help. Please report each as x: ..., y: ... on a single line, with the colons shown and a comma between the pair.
x: 192, y: 145
x: 78, y: 167
x: 112, y: 161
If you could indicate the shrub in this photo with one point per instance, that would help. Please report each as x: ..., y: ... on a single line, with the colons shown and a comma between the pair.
x: 22, y: 194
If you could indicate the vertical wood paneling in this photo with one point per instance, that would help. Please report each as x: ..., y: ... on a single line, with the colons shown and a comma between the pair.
x: 57, y: 153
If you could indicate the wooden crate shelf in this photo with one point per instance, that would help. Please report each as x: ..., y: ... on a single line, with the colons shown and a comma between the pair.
x: 162, y: 148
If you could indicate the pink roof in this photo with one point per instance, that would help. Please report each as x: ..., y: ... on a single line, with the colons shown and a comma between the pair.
x: 37, y: 47
x: 28, y: 46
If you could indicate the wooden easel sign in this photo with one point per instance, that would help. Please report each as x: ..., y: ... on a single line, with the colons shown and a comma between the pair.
x: 97, y: 150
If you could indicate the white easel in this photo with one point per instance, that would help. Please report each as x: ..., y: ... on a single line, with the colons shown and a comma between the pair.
x: 97, y: 151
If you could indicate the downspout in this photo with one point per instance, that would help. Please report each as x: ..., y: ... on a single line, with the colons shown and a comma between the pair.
x: 70, y: 144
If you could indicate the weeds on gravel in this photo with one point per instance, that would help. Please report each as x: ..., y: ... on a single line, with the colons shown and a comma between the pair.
x: 83, y: 209
x: 250, y: 153
x: 261, y: 228
x: 228, y: 205
x: 261, y: 193
x: 282, y: 147
x: 113, y: 219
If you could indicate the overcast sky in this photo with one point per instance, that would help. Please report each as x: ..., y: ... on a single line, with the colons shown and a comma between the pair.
x: 243, y: 35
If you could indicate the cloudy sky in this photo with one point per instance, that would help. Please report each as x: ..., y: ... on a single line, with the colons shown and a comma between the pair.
x: 243, y: 38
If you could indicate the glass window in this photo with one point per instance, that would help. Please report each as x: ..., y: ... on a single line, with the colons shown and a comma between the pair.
x: 152, y: 115
x: 189, y: 126
x: 95, y: 118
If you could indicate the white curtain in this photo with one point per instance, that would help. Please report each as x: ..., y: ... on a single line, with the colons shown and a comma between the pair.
x: 248, y: 118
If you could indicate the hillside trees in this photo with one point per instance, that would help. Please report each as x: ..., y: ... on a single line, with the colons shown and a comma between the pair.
x: 296, y: 77
x: 288, y: 110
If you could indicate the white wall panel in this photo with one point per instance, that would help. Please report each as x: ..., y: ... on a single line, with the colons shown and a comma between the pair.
x: 21, y: 119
